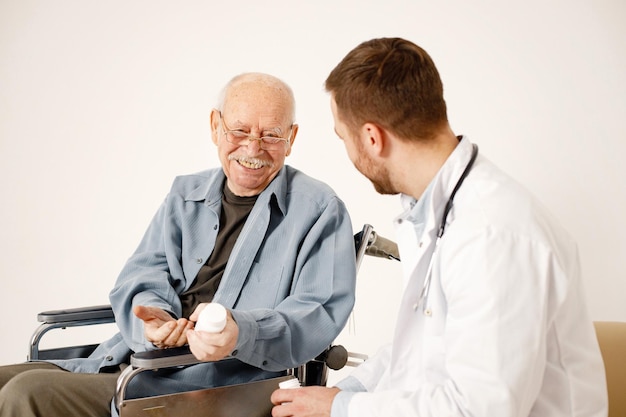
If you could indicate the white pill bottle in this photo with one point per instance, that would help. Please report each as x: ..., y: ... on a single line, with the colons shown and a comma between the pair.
x: 212, y: 318
x: 290, y: 383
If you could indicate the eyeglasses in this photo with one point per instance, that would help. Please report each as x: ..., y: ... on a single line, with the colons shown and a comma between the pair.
x: 267, y: 141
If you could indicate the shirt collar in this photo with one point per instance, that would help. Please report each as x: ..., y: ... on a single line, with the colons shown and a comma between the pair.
x: 432, y: 201
x: 211, y: 194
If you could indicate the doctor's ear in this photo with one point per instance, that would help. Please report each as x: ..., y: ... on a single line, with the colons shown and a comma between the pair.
x: 373, y: 138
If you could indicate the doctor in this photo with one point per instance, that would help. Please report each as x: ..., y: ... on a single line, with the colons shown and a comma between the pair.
x: 493, y: 319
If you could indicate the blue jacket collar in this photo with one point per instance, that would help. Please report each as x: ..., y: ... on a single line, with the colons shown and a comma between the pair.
x: 211, y: 194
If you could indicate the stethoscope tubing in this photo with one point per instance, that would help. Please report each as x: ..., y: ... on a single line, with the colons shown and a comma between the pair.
x: 423, y: 298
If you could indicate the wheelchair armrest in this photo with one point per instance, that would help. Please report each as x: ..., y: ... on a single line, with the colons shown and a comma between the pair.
x: 61, y: 319
x: 163, y: 358
x: 76, y: 314
x: 152, y: 360
x: 335, y: 357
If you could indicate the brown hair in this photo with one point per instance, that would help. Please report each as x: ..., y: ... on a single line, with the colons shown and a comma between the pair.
x: 391, y: 82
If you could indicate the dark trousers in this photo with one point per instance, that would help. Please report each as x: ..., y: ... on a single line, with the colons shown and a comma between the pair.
x: 38, y: 389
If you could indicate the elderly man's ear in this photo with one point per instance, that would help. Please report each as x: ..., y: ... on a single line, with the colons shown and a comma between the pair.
x: 292, y: 139
x: 215, y: 125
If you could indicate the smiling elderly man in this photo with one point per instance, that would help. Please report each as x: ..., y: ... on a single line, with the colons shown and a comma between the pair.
x: 272, y: 245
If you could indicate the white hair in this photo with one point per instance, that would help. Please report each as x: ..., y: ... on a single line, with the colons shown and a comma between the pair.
x: 267, y: 79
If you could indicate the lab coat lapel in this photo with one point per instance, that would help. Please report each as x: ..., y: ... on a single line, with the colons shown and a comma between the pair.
x: 411, y: 318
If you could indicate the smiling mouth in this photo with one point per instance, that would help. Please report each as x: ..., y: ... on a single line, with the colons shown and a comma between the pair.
x: 250, y: 163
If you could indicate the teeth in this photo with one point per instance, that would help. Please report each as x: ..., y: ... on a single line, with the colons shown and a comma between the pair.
x: 251, y: 165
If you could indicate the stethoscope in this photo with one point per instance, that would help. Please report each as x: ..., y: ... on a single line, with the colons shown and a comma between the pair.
x: 423, y: 298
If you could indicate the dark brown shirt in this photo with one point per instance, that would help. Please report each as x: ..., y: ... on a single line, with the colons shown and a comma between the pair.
x: 233, y: 215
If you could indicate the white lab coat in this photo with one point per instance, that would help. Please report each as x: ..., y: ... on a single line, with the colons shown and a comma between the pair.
x: 508, y: 332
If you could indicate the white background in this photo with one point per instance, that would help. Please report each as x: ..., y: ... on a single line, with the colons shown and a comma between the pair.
x: 102, y: 103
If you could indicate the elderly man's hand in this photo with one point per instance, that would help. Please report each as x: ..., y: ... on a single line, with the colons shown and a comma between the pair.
x: 161, y: 328
x: 303, y: 402
x: 207, y: 346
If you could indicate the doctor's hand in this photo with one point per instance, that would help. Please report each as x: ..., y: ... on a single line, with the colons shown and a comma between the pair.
x: 207, y: 346
x: 161, y: 329
x: 303, y: 402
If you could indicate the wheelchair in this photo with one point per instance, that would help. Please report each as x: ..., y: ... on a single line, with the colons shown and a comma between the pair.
x: 250, y: 399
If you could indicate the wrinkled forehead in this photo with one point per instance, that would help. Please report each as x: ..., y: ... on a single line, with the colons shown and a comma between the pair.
x: 259, y: 99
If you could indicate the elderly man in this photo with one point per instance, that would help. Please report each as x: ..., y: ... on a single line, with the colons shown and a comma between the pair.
x: 269, y: 243
x: 493, y: 320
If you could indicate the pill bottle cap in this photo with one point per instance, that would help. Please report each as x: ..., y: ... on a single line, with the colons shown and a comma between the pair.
x: 290, y: 383
x: 212, y: 318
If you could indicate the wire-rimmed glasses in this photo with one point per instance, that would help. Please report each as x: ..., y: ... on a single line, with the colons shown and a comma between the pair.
x: 269, y: 141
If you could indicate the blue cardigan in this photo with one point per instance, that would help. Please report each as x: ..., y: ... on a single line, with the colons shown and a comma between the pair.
x: 289, y: 281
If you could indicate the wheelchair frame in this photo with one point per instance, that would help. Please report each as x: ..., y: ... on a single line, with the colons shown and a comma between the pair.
x: 312, y: 373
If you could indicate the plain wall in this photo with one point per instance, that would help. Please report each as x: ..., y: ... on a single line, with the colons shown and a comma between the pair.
x: 102, y: 103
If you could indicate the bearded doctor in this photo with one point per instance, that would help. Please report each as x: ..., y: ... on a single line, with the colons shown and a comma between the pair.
x: 493, y: 319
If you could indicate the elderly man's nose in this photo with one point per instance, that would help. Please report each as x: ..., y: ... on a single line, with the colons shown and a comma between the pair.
x: 254, y: 144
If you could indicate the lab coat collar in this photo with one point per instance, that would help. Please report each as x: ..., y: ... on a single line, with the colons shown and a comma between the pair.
x: 439, y: 189
x: 446, y: 179
x: 417, y: 226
